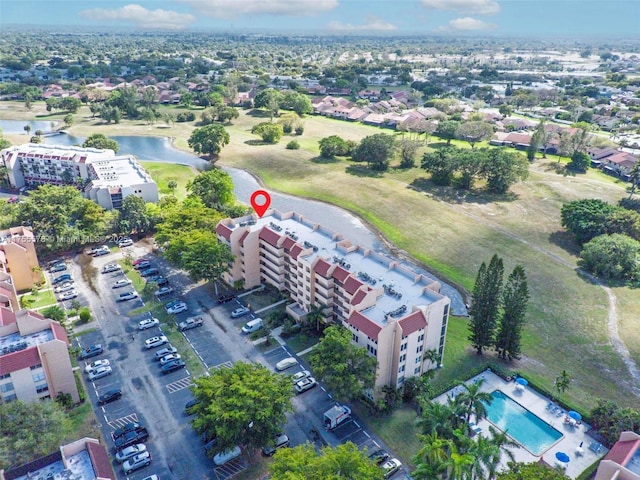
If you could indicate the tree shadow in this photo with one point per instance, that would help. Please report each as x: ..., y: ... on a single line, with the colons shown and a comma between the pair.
x: 559, y: 168
x: 256, y: 112
x: 565, y: 240
x: 439, y: 144
x: 322, y: 160
x: 362, y: 171
x: 256, y: 142
x: 452, y: 194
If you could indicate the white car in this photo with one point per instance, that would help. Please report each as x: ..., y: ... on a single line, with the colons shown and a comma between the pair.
x: 390, y: 467
x: 305, y: 384
x: 286, y: 363
x: 127, y: 296
x: 177, y: 308
x: 68, y: 295
x: 125, y: 242
x: 65, y: 287
x: 296, y: 377
x: 239, y: 312
x: 163, y: 291
x: 122, y: 283
x: 98, y: 363
x: 128, y: 452
x: 111, y: 267
x: 137, y: 461
x: 154, y: 342
x: 148, y: 323
x: 100, y: 372
x: 169, y: 358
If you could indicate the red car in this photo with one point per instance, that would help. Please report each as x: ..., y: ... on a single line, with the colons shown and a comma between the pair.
x: 139, y: 260
x: 13, y: 200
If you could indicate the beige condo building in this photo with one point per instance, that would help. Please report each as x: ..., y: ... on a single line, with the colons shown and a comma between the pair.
x: 18, y: 257
x: 397, y: 314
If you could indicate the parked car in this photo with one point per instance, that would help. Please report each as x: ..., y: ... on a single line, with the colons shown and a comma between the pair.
x: 379, y: 456
x: 172, y: 366
x: 127, y: 296
x: 98, y: 363
x: 296, y: 377
x: 286, y: 363
x: 65, y: 277
x: 147, y: 272
x: 281, y: 441
x: 163, y: 291
x: 100, y: 248
x: 131, y: 451
x: 142, y: 265
x: 68, y: 295
x: 390, y: 467
x: 131, y: 438
x: 239, y: 312
x: 156, y: 341
x: 100, y: 372
x: 305, y: 384
x: 189, y: 405
x: 189, y: 323
x: 162, y: 281
x: 148, y: 323
x: 252, y: 326
x: 122, y: 283
x: 104, y: 250
x: 125, y: 242
x: 60, y: 267
x: 223, y: 457
x: 169, y: 349
x: 92, y: 351
x: 139, y: 261
x: 111, y: 267
x: 177, y: 308
x: 169, y: 358
x: 225, y: 298
x: 109, y: 396
x: 65, y: 287
x: 154, y: 279
x: 126, y: 428
x: 137, y: 462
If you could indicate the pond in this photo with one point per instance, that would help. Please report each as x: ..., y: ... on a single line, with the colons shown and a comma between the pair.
x: 17, y: 126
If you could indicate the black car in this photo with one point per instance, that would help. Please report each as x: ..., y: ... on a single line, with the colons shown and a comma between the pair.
x: 172, y: 366
x: 131, y: 438
x: 379, y: 456
x: 189, y: 405
x: 129, y: 427
x: 162, y: 281
x: 225, y: 298
x: 149, y: 272
x: 109, y: 396
x: 92, y: 351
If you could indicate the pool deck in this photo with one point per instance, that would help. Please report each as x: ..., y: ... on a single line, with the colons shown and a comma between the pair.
x: 572, y: 437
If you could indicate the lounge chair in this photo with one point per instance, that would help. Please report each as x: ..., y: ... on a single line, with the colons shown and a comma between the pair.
x: 555, y: 409
x: 550, y: 405
x: 560, y: 413
x: 595, y: 447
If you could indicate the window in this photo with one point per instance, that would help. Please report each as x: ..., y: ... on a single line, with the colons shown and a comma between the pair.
x: 403, y: 357
x: 403, y: 347
x: 38, y: 377
x: 401, y: 369
x: 10, y: 398
x: 418, y: 359
x: 354, y: 337
x: 35, y: 367
x: 416, y: 371
x: 6, y: 375
x: 419, y: 349
x: 6, y: 387
x: 421, y: 338
x: 42, y: 388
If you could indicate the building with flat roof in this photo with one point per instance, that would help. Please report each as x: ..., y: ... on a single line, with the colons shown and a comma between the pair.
x: 105, y: 178
x: 84, y: 459
x: 623, y: 460
x: 34, y: 357
x: 18, y: 257
x: 397, y: 314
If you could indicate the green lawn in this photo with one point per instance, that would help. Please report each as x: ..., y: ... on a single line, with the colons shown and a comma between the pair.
x: 163, y: 173
x: 300, y: 342
x: 42, y: 299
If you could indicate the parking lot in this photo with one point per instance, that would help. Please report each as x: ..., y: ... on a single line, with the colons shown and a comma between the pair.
x: 157, y: 401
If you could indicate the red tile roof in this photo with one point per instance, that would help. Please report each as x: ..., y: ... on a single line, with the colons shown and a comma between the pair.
x: 352, y: 285
x: 358, y: 297
x: 621, y: 452
x: 269, y: 236
x: 243, y: 236
x: 322, y: 268
x: 341, y: 274
x: 223, y: 231
x: 288, y: 243
x: 100, y: 461
x: 59, y: 332
x: 12, y: 362
x: 295, y: 251
x: 7, y: 317
x: 412, y: 323
x: 362, y: 323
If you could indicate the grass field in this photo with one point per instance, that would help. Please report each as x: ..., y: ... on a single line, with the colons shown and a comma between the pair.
x: 567, y: 318
x: 163, y: 173
x: 42, y: 299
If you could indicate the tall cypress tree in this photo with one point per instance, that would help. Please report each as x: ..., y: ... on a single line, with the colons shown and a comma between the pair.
x: 487, y: 294
x: 515, y: 298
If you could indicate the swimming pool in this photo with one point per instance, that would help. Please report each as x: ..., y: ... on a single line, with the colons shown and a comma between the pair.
x: 520, y: 424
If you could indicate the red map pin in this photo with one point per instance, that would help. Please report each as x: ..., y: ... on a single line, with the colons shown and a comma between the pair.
x: 260, y: 201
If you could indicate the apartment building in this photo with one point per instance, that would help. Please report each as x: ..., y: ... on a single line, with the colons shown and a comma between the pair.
x: 623, y: 460
x: 397, y: 314
x: 34, y: 355
x: 84, y: 459
x: 105, y: 178
x: 18, y: 257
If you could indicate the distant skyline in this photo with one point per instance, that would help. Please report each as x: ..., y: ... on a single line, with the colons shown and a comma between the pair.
x: 583, y: 19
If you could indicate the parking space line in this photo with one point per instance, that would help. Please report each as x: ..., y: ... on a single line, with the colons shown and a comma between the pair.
x: 365, y: 432
x: 122, y: 421
x: 178, y: 385
x: 222, y: 365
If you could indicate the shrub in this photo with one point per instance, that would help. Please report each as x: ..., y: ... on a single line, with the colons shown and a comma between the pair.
x: 293, y: 145
x: 85, y: 315
x: 299, y: 130
x: 65, y: 400
x: 54, y: 312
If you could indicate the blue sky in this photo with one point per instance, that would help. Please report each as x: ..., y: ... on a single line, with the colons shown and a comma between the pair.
x: 545, y: 18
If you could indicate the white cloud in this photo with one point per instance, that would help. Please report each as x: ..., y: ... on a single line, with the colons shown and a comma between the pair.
x: 482, y: 7
x: 468, y: 24
x: 235, y: 8
x: 142, y: 17
x: 372, y: 25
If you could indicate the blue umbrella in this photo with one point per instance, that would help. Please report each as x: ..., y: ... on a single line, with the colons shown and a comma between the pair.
x: 575, y: 415
x: 522, y: 381
x: 562, y: 457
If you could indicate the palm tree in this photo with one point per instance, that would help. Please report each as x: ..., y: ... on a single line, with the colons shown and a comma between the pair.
x: 634, y: 178
x: 460, y: 464
x: 433, y: 458
x: 315, y: 315
x: 474, y: 400
x: 437, y: 418
x: 488, y: 452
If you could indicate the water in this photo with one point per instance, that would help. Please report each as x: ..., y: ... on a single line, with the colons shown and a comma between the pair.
x: 17, y: 126
x: 524, y: 427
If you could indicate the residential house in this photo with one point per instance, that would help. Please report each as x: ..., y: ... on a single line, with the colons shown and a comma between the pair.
x: 623, y: 460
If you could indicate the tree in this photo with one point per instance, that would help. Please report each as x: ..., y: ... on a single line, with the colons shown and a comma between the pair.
x: 586, y: 218
x: 562, y: 381
x: 270, y: 132
x: 485, y: 305
x: 474, y: 401
x: 209, y: 139
x: 172, y: 185
x: 408, y: 150
x: 613, y: 257
x: 133, y: 216
x: 474, y: 132
x: 344, y: 461
x: 447, y: 130
x: 27, y: 128
x: 530, y: 471
x: 515, y: 298
x: 634, y: 178
x: 54, y: 312
x: 244, y: 404
x: 580, y: 162
x: 268, y: 99
x: 503, y: 168
x: 68, y: 120
x: 99, y: 140
x: 214, y: 187
x: 347, y: 370
x: 333, y: 146
x: 441, y: 165
x: 432, y: 460
x: 377, y: 150
x: 297, y: 102
x: 187, y: 216
x: 31, y: 430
